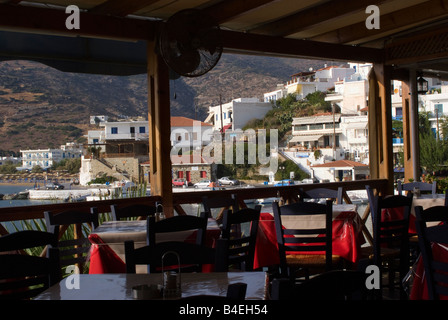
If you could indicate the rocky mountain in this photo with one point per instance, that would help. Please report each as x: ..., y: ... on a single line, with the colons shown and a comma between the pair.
x: 41, y: 107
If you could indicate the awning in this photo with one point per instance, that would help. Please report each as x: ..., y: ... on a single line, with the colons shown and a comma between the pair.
x: 357, y: 125
x: 306, y: 138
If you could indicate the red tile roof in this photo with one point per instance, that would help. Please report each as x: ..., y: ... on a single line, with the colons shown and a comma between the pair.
x: 186, y: 122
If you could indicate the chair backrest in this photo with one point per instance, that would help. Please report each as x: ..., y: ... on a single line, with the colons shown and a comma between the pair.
x: 75, y: 249
x: 331, y: 285
x: 303, y: 238
x: 422, y: 186
x: 189, y: 253
x: 432, y: 214
x: 132, y: 211
x: 222, y: 202
x: 239, y: 235
x: 323, y: 193
x: 24, y: 276
x: 390, y: 218
x: 436, y: 269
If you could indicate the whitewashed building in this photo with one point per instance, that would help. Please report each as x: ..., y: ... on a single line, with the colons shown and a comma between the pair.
x: 236, y: 113
x: 304, y: 83
x: 45, y: 158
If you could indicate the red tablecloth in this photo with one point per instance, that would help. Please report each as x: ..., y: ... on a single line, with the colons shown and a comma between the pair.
x: 397, y: 213
x: 347, y: 239
x: 419, y: 289
x: 105, y: 260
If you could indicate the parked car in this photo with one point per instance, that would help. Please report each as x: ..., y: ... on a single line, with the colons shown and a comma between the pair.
x: 54, y: 186
x: 228, y: 180
x: 179, y: 182
x: 202, y: 184
x: 285, y: 182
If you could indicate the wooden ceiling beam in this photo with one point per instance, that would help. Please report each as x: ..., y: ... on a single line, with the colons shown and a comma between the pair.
x: 314, y: 16
x: 52, y: 21
x: 356, y: 33
x: 121, y: 8
x: 229, y: 9
x: 237, y: 42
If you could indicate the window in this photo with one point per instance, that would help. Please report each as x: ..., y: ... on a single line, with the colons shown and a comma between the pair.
x: 142, y: 130
x: 114, y: 130
x: 132, y: 130
x: 95, y: 141
x: 438, y: 108
x: 216, y: 117
x: 203, y: 174
x: 224, y: 114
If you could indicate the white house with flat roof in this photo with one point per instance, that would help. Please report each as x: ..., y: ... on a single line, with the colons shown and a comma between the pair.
x: 45, y: 158
x: 236, y: 113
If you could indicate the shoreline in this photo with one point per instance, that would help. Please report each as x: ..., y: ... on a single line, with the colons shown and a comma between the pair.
x: 25, y: 184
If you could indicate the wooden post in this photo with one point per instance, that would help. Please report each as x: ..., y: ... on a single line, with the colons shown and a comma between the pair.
x: 380, y: 125
x: 159, y: 129
x: 410, y: 131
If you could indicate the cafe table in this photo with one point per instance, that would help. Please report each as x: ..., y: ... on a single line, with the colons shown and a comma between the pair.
x: 107, y: 243
x: 347, y: 236
x: 114, y: 286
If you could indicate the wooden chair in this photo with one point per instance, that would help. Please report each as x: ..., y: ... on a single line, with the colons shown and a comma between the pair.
x: 73, y: 251
x: 331, y: 285
x: 323, y: 193
x: 24, y: 276
x: 436, y: 269
x: 222, y: 203
x: 422, y: 186
x: 132, y: 211
x: 192, y: 255
x: 305, y: 239
x: 432, y: 214
x: 390, y: 250
x: 236, y: 247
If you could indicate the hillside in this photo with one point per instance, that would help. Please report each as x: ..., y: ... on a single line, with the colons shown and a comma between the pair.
x: 42, y: 107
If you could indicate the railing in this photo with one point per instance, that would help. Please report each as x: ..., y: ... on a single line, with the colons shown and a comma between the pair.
x: 288, y: 193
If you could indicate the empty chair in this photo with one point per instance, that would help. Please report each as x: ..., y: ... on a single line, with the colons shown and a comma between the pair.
x: 323, y: 193
x: 132, y: 211
x: 73, y: 248
x: 23, y: 276
x: 236, y: 247
x: 422, y: 186
x: 429, y: 237
x: 390, y: 250
x: 331, y: 285
x: 436, y: 214
x: 304, y: 237
x: 222, y: 203
x: 192, y: 255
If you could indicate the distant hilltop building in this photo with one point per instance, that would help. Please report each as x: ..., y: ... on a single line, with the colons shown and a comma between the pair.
x: 304, y: 83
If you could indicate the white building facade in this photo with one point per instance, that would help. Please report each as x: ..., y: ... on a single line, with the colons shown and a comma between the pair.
x: 45, y: 158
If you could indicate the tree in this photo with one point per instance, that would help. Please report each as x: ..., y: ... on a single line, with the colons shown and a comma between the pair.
x: 433, y: 152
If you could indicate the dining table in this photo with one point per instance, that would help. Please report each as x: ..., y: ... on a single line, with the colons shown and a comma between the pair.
x: 107, y: 243
x: 122, y: 286
x: 347, y: 236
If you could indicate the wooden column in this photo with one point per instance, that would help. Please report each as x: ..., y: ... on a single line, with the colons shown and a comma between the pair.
x: 410, y: 129
x: 159, y: 129
x: 380, y: 125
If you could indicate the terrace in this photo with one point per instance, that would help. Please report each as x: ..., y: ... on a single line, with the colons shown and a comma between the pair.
x: 120, y: 38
